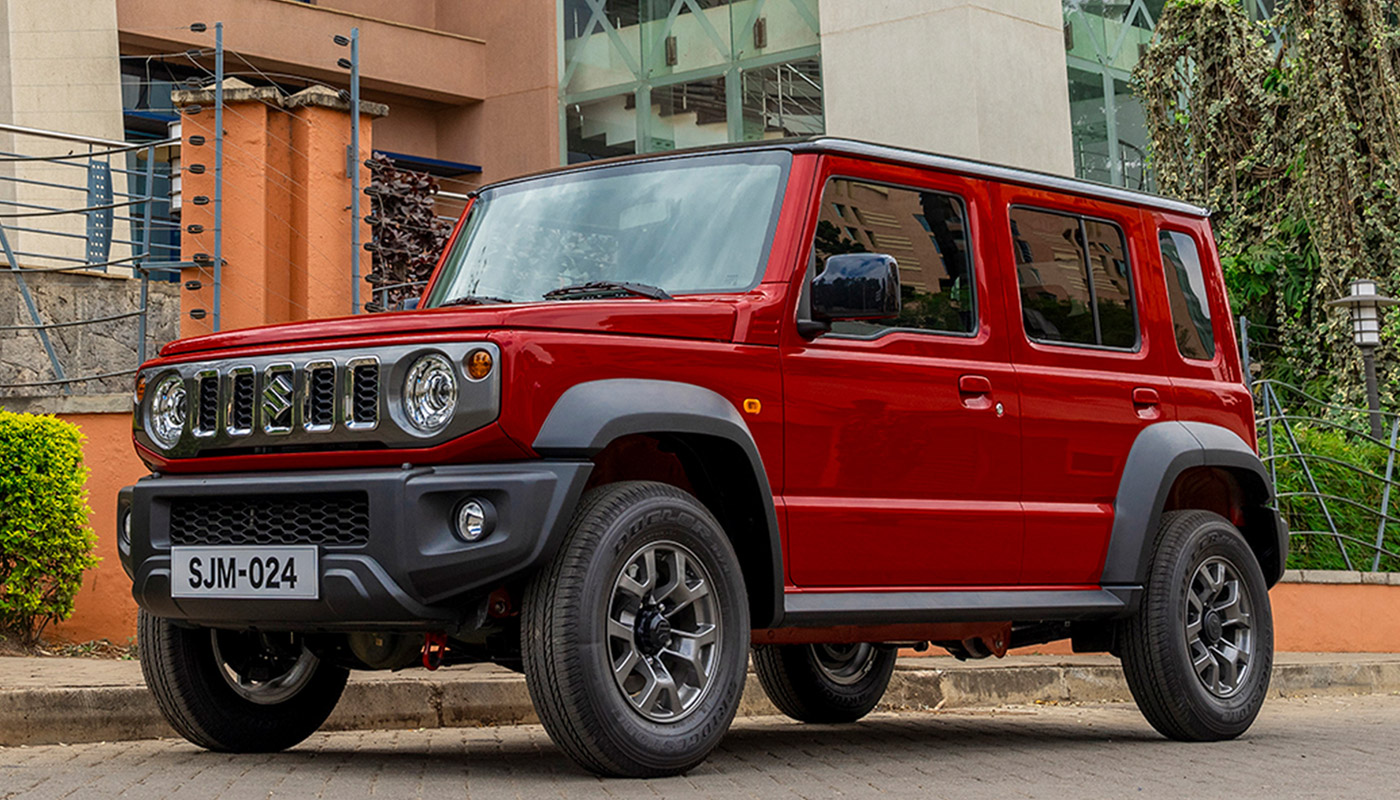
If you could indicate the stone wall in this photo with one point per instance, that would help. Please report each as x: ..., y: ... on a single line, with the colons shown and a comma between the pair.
x: 83, y: 350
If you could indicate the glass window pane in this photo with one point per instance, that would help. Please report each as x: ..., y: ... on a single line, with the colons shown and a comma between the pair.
x: 783, y: 100
x: 676, y: 39
x: 1089, y: 126
x: 688, y: 115
x: 925, y: 232
x: 1055, y: 300
x: 1186, y: 290
x: 602, y: 128
x: 1113, y: 287
x: 601, y: 50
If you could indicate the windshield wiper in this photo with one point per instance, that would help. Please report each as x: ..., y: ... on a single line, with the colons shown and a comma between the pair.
x: 473, y: 300
x: 608, y: 289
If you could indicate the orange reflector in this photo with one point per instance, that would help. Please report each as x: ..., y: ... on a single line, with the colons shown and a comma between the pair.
x: 479, y: 364
x: 752, y: 406
x: 140, y: 388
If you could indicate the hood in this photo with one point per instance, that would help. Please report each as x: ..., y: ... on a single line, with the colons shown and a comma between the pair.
x: 684, y: 318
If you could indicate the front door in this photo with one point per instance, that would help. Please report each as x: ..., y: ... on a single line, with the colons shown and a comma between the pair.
x: 901, y: 455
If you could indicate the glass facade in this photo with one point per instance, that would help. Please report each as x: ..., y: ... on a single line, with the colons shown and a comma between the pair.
x: 1103, y: 41
x: 643, y: 76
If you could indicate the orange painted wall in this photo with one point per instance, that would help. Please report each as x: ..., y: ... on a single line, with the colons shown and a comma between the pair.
x: 104, y: 608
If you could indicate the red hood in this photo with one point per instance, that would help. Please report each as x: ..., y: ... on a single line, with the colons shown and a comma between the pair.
x: 687, y: 318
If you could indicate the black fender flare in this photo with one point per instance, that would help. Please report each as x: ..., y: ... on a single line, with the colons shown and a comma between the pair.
x: 1160, y: 453
x: 589, y: 416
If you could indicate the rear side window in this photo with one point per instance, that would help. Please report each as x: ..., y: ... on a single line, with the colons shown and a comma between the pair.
x: 925, y: 231
x: 1076, y: 285
x: 1186, y: 289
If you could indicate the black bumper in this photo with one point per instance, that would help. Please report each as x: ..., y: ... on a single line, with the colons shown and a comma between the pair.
x: 410, y: 573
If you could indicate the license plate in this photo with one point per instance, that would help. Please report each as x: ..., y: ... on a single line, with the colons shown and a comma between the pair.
x: 245, y: 572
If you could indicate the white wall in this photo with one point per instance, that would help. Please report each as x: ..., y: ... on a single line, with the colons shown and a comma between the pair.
x: 981, y: 79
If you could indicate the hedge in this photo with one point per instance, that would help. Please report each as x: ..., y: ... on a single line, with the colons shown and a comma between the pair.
x: 45, y: 542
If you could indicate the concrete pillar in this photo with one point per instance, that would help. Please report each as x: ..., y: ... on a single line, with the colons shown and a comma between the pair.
x: 286, y: 197
x: 60, y: 71
x: 981, y: 80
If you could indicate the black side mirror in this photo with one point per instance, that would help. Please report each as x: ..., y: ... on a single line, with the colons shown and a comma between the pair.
x: 857, y: 286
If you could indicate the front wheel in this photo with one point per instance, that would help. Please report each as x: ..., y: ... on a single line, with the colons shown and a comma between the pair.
x: 236, y: 692
x: 636, y: 634
x: 1199, y: 651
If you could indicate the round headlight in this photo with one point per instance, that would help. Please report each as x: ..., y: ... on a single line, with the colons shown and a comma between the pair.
x: 430, y: 393
x: 165, y: 416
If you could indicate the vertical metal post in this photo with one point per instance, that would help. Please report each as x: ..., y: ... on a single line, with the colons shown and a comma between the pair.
x: 353, y: 163
x: 1244, y: 351
x: 1373, y: 394
x: 1385, y: 495
x: 33, y: 309
x: 218, y: 171
x: 141, y: 262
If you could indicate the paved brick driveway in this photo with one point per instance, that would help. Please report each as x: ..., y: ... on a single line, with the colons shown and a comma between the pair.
x: 1319, y: 747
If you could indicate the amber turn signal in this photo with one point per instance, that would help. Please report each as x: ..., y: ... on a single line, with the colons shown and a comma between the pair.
x: 140, y: 388
x: 752, y: 406
x: 479, y: 364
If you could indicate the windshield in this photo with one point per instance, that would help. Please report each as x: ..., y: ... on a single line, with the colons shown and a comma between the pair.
x: 699, y: 224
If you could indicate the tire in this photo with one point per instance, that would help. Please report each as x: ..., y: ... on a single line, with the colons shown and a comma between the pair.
x: 1206, y: 604
x: 824, y: 683
x: 185, y: 668
x: 594, y: 608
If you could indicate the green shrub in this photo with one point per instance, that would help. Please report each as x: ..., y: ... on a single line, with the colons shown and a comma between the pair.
x: 45, y: 542
x: 1351, y: 469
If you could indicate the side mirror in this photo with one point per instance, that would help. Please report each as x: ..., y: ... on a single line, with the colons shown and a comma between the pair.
x: 861, y: 286
x: 408, y: 304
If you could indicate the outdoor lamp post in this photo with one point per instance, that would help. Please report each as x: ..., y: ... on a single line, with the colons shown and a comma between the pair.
x: 1365, y: 303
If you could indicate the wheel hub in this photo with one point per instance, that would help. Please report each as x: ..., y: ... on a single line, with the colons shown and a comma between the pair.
x: 653, y: 632
x: 1213, y: 628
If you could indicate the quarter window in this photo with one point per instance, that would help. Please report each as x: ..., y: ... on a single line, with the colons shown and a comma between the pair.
x: 1076, y: 284
x: 927, y: 234
x: 1186, y: 289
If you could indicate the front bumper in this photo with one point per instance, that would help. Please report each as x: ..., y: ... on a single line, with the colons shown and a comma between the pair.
x: 411, y: 572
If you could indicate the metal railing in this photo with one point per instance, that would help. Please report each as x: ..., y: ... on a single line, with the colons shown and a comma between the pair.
x: 86, y: 204
x: 1332, y: 478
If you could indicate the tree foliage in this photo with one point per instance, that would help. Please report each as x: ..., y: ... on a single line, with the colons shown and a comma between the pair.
x: 45, y: 542
x: 1290, y: 133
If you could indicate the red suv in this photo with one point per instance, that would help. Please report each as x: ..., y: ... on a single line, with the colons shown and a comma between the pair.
x: 820, y: 397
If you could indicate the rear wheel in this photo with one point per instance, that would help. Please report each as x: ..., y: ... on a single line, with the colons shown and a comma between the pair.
x: 238, y: 692
x: 636, y: 634
x: 824, y: 682
x: 1199, y: 651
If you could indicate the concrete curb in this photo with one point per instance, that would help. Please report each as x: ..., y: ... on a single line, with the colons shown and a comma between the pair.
x: 37, y: 716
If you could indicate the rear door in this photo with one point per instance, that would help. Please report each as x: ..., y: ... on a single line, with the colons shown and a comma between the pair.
x: 902, y: 465
x: 1090, y: 373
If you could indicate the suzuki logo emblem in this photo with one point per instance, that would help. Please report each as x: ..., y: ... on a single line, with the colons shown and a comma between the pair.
x: 277, y: 401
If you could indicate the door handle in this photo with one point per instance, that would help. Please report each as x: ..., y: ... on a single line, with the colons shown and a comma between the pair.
x: 1143, y: 396
x: 974, y: 385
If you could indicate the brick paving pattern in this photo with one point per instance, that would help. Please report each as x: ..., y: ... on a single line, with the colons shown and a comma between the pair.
x: 1314, y: 747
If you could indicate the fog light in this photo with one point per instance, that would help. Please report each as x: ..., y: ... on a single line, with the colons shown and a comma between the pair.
x: 475, y: 519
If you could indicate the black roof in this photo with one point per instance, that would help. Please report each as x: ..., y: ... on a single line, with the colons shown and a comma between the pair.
x: 917, y: 158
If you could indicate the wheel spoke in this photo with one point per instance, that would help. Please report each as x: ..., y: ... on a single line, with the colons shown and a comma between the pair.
x: 1227, y: 656
x: 624, y: 666
x: 618, y: 630
x: 681, y: 596
x: 1214, y: 575
x: 1206, y: 667
x: 690, y: 648
x: 1232, y: 612
x: 659, y: 686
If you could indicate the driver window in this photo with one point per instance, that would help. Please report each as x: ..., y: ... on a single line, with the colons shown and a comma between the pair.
x: 926, y: 232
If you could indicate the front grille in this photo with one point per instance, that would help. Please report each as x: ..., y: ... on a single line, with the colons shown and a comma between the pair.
x: 208, y: 416
x: 244, y: 392
x: 320, y: 396
x: 364, y: 394
x: 332, y: 519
